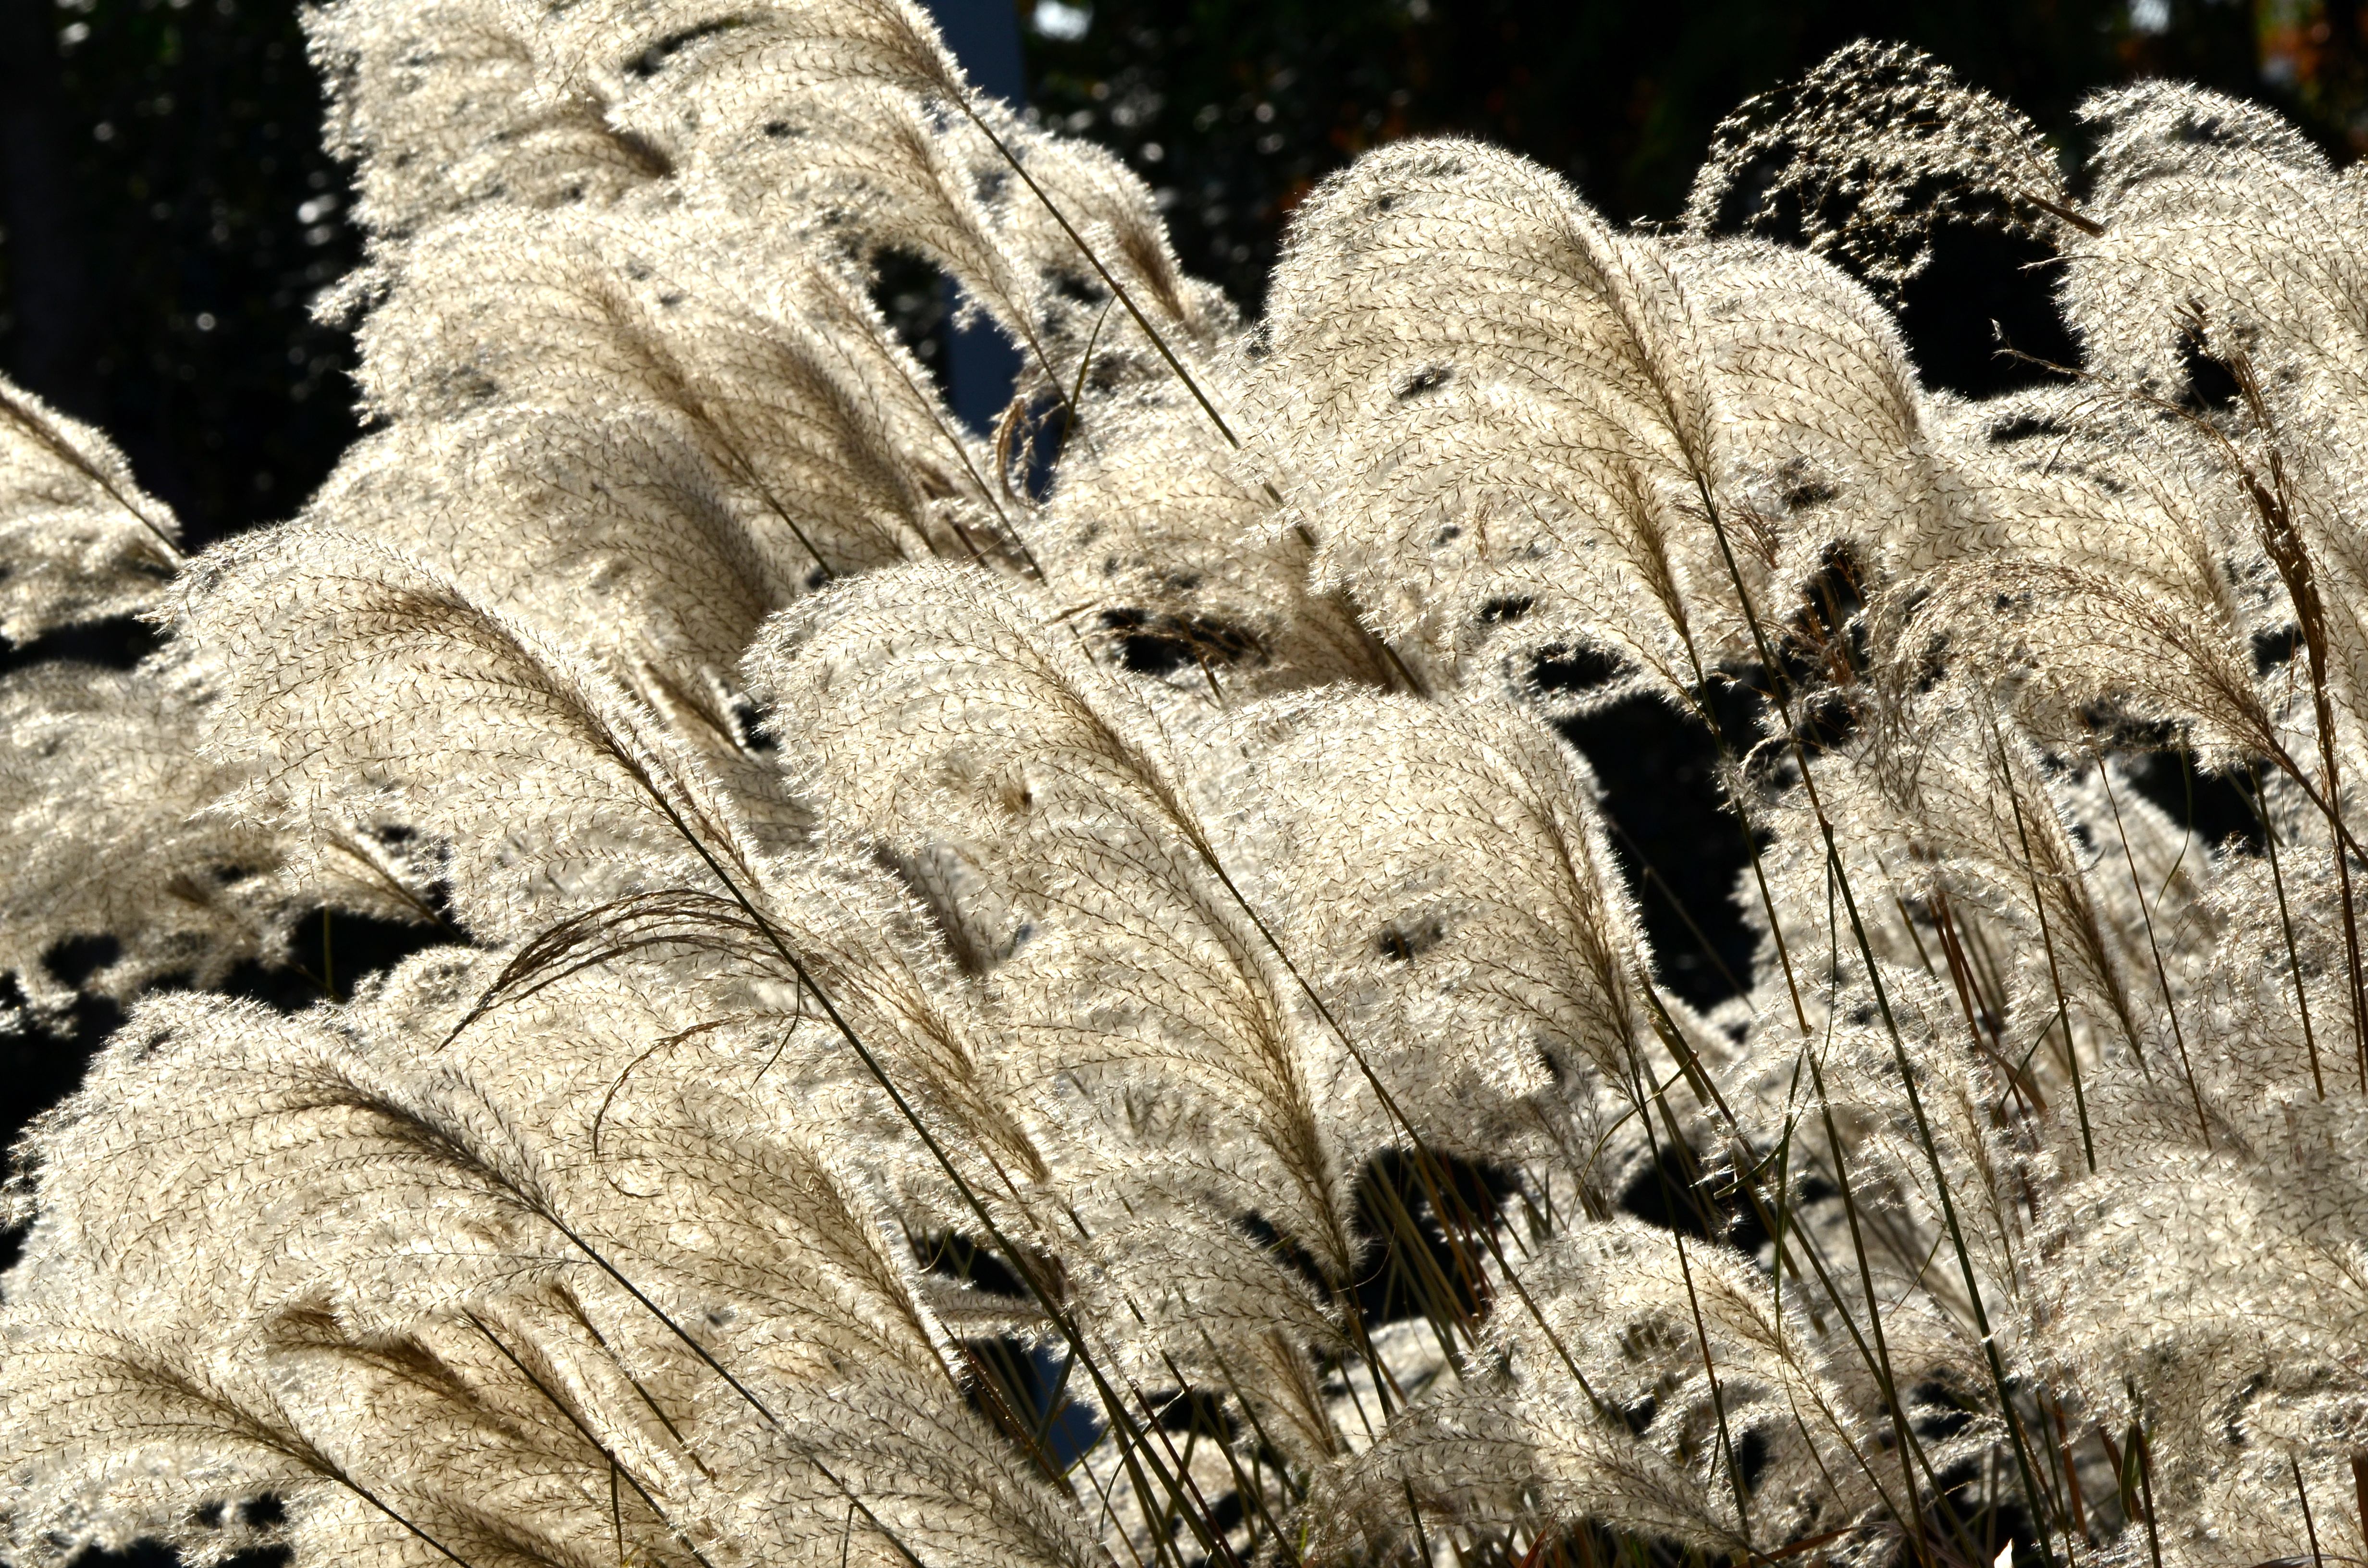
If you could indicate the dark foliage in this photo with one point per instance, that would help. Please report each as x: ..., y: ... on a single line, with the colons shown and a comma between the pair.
x: 169, y: 217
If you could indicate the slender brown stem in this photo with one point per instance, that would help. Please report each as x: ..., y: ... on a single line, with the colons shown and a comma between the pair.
x: 1118, y: 290
x: 2162, y: 976
x: 2048, y: 941
x: 2310, y: 1529
x: 2285, y: 924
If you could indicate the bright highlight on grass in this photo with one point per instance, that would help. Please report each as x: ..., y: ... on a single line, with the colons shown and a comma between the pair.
x: 1059, y: 999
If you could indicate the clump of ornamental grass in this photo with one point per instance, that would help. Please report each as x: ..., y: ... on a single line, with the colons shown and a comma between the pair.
x: 966, y: 1017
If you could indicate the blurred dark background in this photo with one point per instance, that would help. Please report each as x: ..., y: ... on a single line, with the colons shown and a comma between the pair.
x: 166, y: 215
x: 167, y: 219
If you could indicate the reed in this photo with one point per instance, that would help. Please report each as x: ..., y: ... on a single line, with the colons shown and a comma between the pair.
x: 966, y: 1017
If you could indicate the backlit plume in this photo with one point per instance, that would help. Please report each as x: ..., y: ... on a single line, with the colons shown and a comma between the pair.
x: 1054, y: 997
